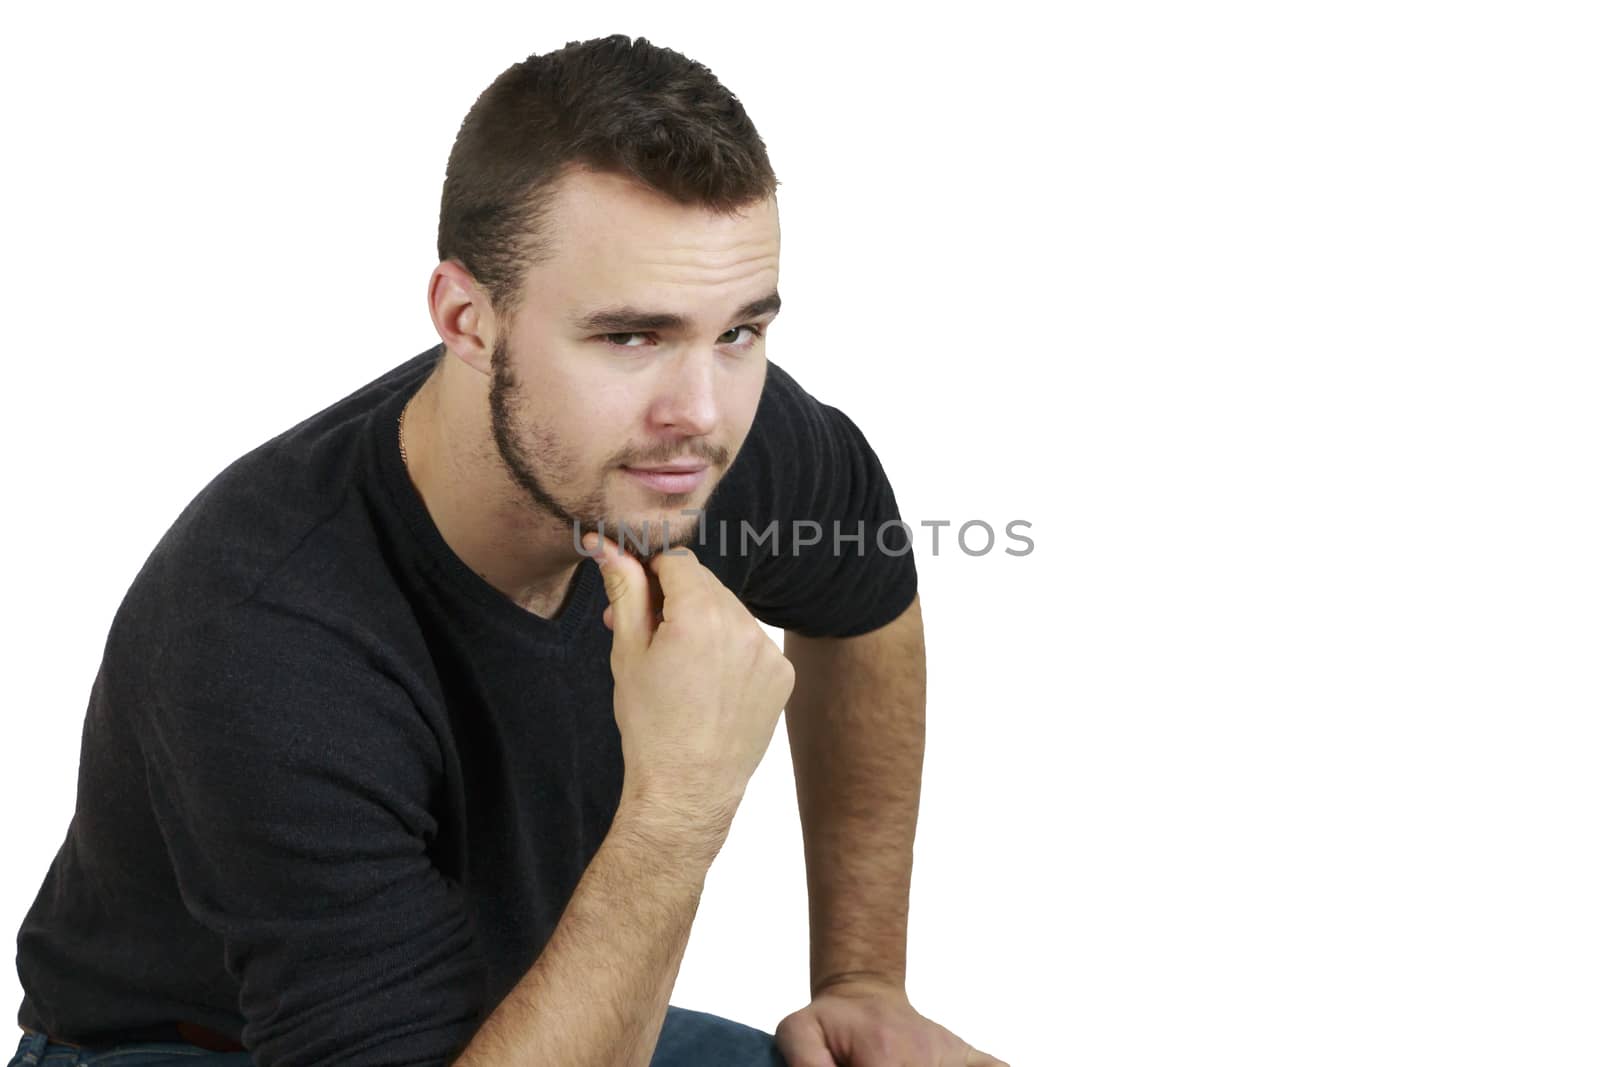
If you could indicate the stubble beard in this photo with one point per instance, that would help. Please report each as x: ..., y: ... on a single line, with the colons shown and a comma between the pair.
x: 521, y: 461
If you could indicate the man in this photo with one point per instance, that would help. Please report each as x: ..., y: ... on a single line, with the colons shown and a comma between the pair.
x: 370, y: 772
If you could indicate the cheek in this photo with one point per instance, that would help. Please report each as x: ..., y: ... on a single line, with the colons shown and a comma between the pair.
x: 597, y: 436
x: 586, y: 416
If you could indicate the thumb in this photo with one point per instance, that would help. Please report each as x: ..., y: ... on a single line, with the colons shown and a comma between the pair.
x: 801, y: 1041
x: 628, y: 591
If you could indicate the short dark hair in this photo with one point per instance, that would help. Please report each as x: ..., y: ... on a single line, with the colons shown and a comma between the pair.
x: 610, y: 104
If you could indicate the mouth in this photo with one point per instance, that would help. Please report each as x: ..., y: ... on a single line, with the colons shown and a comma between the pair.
x: 687, y: 466
x: 670, y: 478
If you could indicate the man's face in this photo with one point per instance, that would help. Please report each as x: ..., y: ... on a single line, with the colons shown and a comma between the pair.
x: 587, y: 393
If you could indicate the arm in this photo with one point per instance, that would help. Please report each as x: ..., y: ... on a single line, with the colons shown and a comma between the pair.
x: 856, y: 727
x: 698, y: 693
x: 292, y: 790
x: 597, y: 994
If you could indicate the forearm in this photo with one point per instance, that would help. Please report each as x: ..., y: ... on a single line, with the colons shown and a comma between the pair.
x: 856, y: 726
x: 597, y: 995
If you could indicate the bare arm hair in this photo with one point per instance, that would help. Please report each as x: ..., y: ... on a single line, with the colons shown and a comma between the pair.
x: 597, y: 995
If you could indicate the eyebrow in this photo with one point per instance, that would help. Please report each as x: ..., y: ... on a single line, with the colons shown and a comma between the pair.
x: 627, y: 319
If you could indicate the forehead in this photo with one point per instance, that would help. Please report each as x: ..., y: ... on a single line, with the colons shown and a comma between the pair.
x: 609, y: 230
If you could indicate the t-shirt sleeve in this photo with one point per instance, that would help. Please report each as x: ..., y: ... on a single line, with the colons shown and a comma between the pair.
x: 841, y: 561
x: 290, y: 778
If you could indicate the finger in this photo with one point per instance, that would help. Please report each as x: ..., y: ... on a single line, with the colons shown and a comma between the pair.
x: 982, y: 1059
x: 628, y: 593
x: 657, y: 597
x: 802, y: 1043
x: 681, y: 577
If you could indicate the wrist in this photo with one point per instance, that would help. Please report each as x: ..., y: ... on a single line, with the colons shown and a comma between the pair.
x: 675, y: 822
x: 860, y: 982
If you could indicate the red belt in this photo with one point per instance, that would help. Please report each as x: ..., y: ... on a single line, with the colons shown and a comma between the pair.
x: 193, y: 1033
x: 209, y: 1040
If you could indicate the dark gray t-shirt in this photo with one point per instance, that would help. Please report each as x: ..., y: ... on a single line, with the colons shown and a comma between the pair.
x: 335, y: 790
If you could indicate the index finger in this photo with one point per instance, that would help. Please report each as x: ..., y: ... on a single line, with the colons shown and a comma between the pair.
x: 680, y: 574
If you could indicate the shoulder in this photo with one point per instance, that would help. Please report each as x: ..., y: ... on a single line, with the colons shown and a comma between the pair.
x: 291, y: 522
x: 795, y: 440
x: 788, y: 415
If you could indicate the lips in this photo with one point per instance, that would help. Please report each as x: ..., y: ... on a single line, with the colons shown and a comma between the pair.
x: 673, y: 478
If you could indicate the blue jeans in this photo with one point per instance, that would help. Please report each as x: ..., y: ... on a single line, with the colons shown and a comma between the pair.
x: 688, y: 1039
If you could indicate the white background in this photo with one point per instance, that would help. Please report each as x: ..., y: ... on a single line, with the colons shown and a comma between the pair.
x: 1276, y: 321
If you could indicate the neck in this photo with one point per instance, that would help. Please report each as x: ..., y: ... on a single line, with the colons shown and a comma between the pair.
x: 479, y: 511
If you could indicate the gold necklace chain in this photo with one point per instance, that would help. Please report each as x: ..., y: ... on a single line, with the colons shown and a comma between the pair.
x: 403, y: 411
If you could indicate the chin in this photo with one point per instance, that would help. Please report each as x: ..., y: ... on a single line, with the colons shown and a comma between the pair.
x: 648, y: 526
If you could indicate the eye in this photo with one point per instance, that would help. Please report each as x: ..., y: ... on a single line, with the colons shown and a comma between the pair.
x: 755, y: 332
x: 619, y: 340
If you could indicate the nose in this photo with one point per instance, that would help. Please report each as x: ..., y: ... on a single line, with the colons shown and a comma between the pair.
x: 686, y: 398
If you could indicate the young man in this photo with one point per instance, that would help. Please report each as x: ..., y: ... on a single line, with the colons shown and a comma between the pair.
x: 383, y: 766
